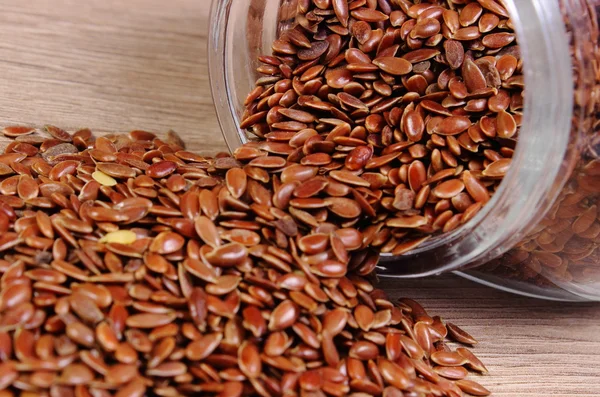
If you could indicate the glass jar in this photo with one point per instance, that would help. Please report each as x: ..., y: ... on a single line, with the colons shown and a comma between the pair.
x: 540, y: 233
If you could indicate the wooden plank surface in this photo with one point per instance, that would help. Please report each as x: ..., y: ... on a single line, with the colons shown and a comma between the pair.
x: 109, y: 65
x: 114, y: 65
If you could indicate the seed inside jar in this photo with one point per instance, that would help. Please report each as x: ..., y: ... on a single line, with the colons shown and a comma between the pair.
x: 563, y: 249
x: 414, y: 106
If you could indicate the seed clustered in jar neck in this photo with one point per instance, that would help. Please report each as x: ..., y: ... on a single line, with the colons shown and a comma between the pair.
x: 415, y: 107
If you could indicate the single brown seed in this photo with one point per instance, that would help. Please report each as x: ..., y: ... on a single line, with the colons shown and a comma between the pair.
x: 283, y: 316
x: 453, y: 125
x: 249, y: 360
x: 207, y: 231
x: 369, y: 15
x: 86, y: 308
x: 316, y: 49
x: 166, y: 243
x: 472, y: 361
x: 149, y: 320
x: 203, y: 347
x: 459, y: 335
x: 364, y: 317
x: 498, y: 40
x: 159, y: 169
x: 393, y: 374
x: 449, y: 359
x: 393, y: 66
x: 121, y: 373
x: 472, y: 75
x: 472, y: 388
x: 454, y: 373
x: 58, y: 133
x: 475, y: 188
x: 358, y: 157
x: 467, y: 34
x: 448, y: 189
x: 227, y: 255
x: 506, y: 125
x: 497, y: 169
x: 455, y: 53
x: 470, y: 14
x: 168, y: 370
x: 425, y: 28
x: 16, y: 131
x: 76, y: 374
x: 116, y: 170
x: 488, y: 22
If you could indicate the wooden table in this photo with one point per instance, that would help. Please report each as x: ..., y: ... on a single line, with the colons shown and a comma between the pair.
x: 115, y: 65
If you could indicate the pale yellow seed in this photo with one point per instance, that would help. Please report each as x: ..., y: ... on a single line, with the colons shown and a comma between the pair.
x: 103, y: 179
x: 119, y: 236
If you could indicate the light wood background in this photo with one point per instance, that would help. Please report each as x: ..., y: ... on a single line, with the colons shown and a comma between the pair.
x: 116, y: 65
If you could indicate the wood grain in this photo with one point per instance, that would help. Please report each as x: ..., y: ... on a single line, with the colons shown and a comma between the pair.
x: 531, y: 347
x: 109, y: 65
x: 114, y: 65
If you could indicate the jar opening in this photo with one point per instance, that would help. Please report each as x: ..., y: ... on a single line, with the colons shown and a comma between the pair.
x: 537, y: 173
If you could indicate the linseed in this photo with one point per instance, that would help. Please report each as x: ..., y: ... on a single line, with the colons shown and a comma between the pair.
x: 409, y: 104
x: 218, y: 287
x: 132, y: 266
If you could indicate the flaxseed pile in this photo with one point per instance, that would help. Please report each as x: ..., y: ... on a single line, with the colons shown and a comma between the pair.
x: 133, y: 267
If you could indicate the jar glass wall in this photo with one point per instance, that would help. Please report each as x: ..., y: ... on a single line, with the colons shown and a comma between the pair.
x: 560, y: 257
x: 520, y: 240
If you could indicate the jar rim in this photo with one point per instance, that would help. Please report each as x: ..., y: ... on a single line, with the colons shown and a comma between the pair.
x: 220, y: 90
